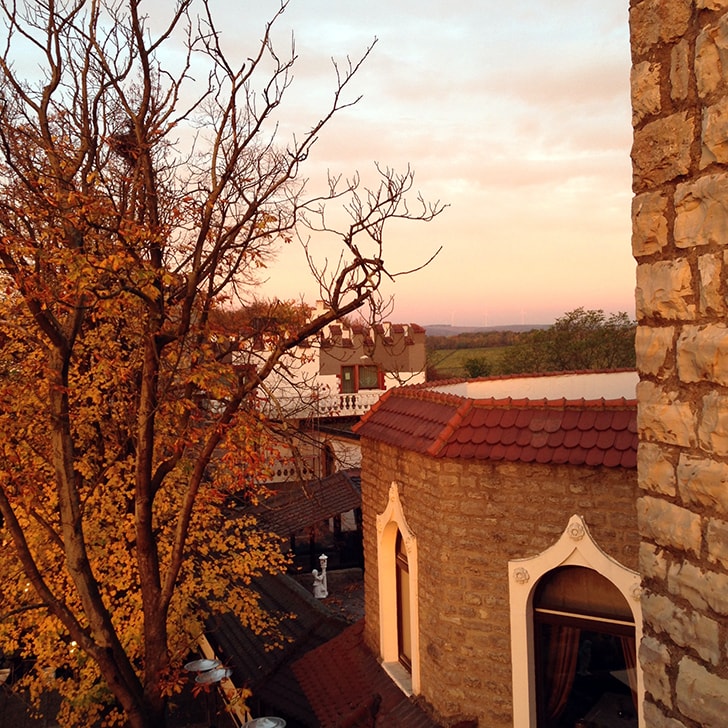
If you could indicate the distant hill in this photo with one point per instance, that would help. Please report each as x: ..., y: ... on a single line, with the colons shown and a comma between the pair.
x: 450, y: 330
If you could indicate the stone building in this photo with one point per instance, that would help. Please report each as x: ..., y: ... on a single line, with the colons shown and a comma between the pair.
x: 500, y: 521
x: 680, y: 231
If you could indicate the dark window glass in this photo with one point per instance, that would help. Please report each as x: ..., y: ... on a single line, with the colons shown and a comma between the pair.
x: 348, y: 380
x: 368, y: 377
x: 404, y: 622
x: 585, y: 652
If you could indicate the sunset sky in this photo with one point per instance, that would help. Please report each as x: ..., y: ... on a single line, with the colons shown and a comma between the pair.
x: 516, y: 115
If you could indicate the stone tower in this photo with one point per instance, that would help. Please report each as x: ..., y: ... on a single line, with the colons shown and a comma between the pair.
x: 680, y: 242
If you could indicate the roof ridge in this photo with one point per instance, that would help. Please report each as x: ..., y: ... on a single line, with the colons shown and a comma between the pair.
x: 526, y: 375
x: 370, y: 412
x: 447, y: 431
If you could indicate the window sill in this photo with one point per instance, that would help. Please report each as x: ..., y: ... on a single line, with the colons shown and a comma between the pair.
x: 401, y: 677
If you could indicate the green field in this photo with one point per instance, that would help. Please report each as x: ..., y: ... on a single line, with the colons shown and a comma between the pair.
x: 450, y: 363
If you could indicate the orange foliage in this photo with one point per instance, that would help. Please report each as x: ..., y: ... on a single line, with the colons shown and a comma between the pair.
x: 128, y: 383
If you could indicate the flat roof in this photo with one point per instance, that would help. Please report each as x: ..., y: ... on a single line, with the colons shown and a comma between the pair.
x: 573, y: 385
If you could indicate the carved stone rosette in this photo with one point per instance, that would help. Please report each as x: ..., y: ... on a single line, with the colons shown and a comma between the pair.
x: 575, y: 531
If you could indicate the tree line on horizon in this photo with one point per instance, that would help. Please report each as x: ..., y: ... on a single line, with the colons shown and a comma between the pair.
x: 580, y: 340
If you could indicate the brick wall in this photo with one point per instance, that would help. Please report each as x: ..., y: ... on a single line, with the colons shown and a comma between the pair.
x: 680, y: 232
x: 470, y: 518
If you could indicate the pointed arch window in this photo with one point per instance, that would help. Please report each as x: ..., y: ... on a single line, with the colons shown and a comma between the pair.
x: 585, y: 650
x: 576, y: 620
x: 398, y: 607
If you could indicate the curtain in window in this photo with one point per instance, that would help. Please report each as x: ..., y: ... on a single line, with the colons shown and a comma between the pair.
x: 561, y: 660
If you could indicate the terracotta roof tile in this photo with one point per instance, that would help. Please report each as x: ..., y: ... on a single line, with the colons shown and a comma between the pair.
x: 570, y: 419
x: 593, y: 432
x: 629, y: 459
x: 612, y: 458
x: 524, y: 419
x: 493, y: 435
x: 606, y: 439
x: 588, y: 439
x: 544, y: 455
x: 297, y: 505
x: 587, y: 418
x: 560, y: 456
x: 467, y: 451
x: 346, y: 685
x: 508, y: 435
x: 509, y: 417
x: 483, y: 452
x: 493, y: 418
x: 498, y: 452
x: 479, y: 435
x: 624, y: 440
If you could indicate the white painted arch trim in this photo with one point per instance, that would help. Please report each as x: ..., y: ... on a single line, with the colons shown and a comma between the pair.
x: 391, y: 520
x: 575, y: 547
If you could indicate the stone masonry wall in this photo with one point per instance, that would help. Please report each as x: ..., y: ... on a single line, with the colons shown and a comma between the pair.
x: 680, y: 242
x: 470, y: 518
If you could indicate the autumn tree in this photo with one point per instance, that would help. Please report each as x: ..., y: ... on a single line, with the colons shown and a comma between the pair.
x: 136, y: 203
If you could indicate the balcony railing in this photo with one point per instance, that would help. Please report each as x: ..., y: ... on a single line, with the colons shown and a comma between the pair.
x: 348, y: 405
x: 326, y: 405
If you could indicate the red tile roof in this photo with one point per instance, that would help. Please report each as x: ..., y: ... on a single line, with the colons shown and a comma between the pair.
x: 346, y: 686
x: 294, y: 506
x: 576, y: 432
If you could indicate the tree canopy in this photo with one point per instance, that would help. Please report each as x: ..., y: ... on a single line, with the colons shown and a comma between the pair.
x: 579, y: 340
x: 137, y: 207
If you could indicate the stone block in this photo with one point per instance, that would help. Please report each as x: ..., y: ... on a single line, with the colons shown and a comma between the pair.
x: 685, y: 628
x: 668, y: 524
x: 655, y: 661
x: 655, y: 470
x: 701, y: 212
x: 652, y: 563
x: 701, y: 695
x: 701, y: 587
x: 680, y: 70
x: 661, y: 149
x: 703, y: 482
x: 713, y: 428
x: 645, y: 89
x: 655, y: 718
x: 711, y: 58
x: 714, y: 134
x: 662, y: 417
x: 665, y: 289
x: 652, y: 345
x: 702, y: 354
x: 649, y: 223
x: 710, y: 270
x: 654, y: 22
x: 717, y: 542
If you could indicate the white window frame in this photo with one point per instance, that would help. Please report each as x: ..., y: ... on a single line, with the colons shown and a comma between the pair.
x: 575, y: 547
x: 389, y: 522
